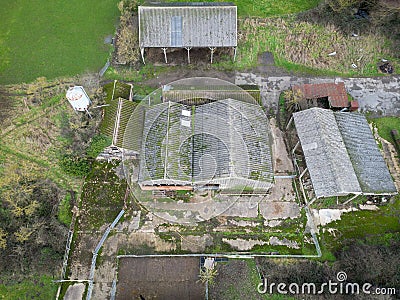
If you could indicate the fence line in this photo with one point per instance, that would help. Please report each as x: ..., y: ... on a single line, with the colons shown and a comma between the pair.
x: 104, y: 69
x: 66, y: 253
x: 95, y: 253
x: 113, y: 289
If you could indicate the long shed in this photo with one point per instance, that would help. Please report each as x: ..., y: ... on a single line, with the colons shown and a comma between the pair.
x: 341, y: 154
x: 188, y: 25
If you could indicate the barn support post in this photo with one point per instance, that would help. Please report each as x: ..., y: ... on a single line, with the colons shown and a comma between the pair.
x: 234, y: 54
x: 165, y: 54
x: 212, y: 53
x: 142, y: 54
x: 188, y: 53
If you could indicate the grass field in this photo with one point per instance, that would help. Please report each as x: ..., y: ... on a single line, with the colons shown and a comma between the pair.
x: 54, y: 38
x: 267, y: 8
x: 38, y: 288
x: 385, y: 125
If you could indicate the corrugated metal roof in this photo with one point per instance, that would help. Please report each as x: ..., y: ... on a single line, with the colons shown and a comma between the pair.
x: 327, y: 160
x: 336, y: 93
x: 369, y: 165
x: 227, y: 143
x: 341, y: 154
x: 178, y: 4
x: 201, y: 25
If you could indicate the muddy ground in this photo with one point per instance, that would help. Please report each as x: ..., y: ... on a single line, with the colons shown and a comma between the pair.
x: 159, y: 278
x: 200, y: 66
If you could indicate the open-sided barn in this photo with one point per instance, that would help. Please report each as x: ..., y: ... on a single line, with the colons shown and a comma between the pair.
x: 187, y: 25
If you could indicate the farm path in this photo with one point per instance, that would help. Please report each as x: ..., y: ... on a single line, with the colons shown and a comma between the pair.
x: 380, y: 95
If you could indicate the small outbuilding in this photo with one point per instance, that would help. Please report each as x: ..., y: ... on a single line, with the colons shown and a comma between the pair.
x: 188, y: 25
x: 334, y: 93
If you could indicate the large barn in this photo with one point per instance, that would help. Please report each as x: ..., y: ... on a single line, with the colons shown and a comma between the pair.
x: 203, y: 132
x: 187, y: 25
x: 341, y: 154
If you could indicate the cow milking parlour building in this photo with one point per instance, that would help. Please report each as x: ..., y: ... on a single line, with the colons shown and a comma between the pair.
x: 200, y: 133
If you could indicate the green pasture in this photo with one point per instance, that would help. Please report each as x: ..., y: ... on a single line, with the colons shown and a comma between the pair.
x: 54, y: 38
x: 385, y: 125
x: 266, y: 8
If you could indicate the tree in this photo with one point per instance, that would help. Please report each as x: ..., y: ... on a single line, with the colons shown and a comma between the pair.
x: 23, y: 234
x: 294, y: 100
x: 3, y: 240
x: 207, y: 275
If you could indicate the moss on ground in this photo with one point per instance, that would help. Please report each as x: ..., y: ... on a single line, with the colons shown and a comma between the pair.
x: 103, y: 196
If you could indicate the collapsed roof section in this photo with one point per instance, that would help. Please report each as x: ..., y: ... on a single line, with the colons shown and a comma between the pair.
x: 335, y: 92
x: 341, y: 154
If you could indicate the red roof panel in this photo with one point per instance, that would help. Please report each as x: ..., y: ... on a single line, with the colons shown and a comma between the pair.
x: 336, y: 93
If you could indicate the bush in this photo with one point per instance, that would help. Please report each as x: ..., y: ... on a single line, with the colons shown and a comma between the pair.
x: 74, y: 165
x: 99, y: 142
x: 64, y: 210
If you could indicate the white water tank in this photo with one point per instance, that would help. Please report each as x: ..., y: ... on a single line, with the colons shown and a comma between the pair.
x: 78, y: 98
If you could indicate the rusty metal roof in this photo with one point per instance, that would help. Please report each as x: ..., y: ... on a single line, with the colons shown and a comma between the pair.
x: 336, y: 93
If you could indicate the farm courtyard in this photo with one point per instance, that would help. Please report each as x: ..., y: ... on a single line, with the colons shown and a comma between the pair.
x: 57, y: 201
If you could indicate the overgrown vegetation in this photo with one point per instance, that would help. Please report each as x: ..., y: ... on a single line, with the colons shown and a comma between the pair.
x: 302, y: 43
x: 363, y: 223
x: 103, y: 194
x: 65, y: 210
x: 127, y: 39
x: 385, y: 125
x: 31, y: 232
x: 35, y: 191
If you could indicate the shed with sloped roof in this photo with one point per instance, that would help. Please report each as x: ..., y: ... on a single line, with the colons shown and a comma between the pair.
x: 341, y: 154
x: 335, y: 92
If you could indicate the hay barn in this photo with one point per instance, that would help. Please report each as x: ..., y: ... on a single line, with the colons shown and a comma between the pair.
x: 187, y: 25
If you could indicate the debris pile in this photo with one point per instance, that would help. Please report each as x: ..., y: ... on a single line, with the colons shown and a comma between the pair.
x: 386, y: 68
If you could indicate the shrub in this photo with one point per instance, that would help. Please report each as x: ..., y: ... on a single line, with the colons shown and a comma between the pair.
x: 74, y: 165
x: 99, y: 142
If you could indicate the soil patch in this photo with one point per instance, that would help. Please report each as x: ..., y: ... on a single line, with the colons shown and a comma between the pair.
x: 178, y: 56
x: 159, y: 278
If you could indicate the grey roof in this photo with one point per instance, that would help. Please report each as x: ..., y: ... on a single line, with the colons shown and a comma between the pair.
x: 326, y: 156
x: 188, y: 25
x: 341, y: 154
x: 225, y: 142
x: 369, y: 165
